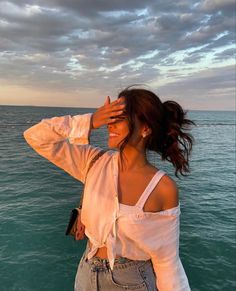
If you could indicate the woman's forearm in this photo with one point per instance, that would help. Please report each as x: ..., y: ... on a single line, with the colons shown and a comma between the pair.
x: 64, y: 141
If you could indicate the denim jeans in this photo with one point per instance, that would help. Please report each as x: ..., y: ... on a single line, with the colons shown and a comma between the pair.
x: 96, y: 275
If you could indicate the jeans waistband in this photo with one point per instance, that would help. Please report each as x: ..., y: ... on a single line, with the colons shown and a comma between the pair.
x: 99, y: 264
x: 99, y: 261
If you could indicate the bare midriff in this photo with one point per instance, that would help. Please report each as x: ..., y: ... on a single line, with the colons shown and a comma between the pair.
x: 101, y: 252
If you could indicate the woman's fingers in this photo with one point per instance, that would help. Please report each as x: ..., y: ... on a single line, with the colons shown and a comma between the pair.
x: 116, y: 105
x: 79, y: 234
x: 113, y: 103
x: 116, y: 113
x: 108, y: 101
x: 111, y: 107
x: 111, y: 116
x: 114, y: 109
x: 102, y: 115
x: 117, y: 109
x: 118, y: 102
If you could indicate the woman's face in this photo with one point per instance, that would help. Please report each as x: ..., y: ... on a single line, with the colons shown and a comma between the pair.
x: 117, y: 132
x: 120, y: 129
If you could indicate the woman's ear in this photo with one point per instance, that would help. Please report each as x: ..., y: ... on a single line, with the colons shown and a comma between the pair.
x: 146, y: 131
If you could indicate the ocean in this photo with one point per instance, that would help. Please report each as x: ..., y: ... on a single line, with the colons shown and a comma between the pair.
x: 36, y: 198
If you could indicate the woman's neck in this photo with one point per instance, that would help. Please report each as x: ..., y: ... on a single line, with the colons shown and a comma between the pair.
x: 132, y: 160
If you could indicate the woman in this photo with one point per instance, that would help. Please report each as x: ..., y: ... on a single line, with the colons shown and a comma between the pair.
x: 130, y: 208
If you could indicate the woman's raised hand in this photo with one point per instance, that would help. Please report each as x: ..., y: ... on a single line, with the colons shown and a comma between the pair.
x: 107, y: 113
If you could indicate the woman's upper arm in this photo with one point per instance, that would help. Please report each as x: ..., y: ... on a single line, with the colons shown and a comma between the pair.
x: 170, y: 275
x: 169, y: 193
x: 164, y: 253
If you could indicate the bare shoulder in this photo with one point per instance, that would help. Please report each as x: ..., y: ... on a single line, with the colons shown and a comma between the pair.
x: 168, y: 191
x: 164, y: 196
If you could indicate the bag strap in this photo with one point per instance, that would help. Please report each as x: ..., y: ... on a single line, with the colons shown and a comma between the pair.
x: 92, y: 162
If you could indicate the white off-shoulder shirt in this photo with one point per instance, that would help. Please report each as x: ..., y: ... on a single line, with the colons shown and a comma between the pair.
x: 126, y: 231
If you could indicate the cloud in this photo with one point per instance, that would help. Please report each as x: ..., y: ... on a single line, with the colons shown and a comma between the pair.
x: 226, y: 54
x: 72, y: 45
x: 216, y: 84
x: 218, y: 5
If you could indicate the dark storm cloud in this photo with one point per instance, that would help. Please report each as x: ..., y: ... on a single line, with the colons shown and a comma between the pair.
x: 84, y: 44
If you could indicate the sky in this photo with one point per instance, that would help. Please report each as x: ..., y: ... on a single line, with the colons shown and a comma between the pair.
x: 74, y: 53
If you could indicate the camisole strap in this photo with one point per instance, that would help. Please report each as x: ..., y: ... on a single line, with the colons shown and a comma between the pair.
x: 152, y: 184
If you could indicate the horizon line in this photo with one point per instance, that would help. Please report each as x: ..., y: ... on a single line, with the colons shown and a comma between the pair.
x: 98, y: 107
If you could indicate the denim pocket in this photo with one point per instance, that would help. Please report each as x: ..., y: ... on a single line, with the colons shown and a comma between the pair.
x: 128, y: 279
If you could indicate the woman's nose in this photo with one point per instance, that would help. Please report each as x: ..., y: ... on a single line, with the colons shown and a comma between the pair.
x: 111, y: 125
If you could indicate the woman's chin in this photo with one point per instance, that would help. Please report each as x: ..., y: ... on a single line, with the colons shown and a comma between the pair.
x: 112, y: 144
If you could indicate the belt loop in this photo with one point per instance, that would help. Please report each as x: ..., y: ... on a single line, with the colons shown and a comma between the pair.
x: 104, y: 263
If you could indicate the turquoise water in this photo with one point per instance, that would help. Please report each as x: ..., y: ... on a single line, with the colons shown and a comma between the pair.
x: 36, y: 199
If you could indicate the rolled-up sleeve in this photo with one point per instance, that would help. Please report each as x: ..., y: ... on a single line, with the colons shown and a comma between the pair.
x: 64, y: 141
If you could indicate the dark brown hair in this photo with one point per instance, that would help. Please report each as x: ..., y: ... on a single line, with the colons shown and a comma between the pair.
x: 168, y: 123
